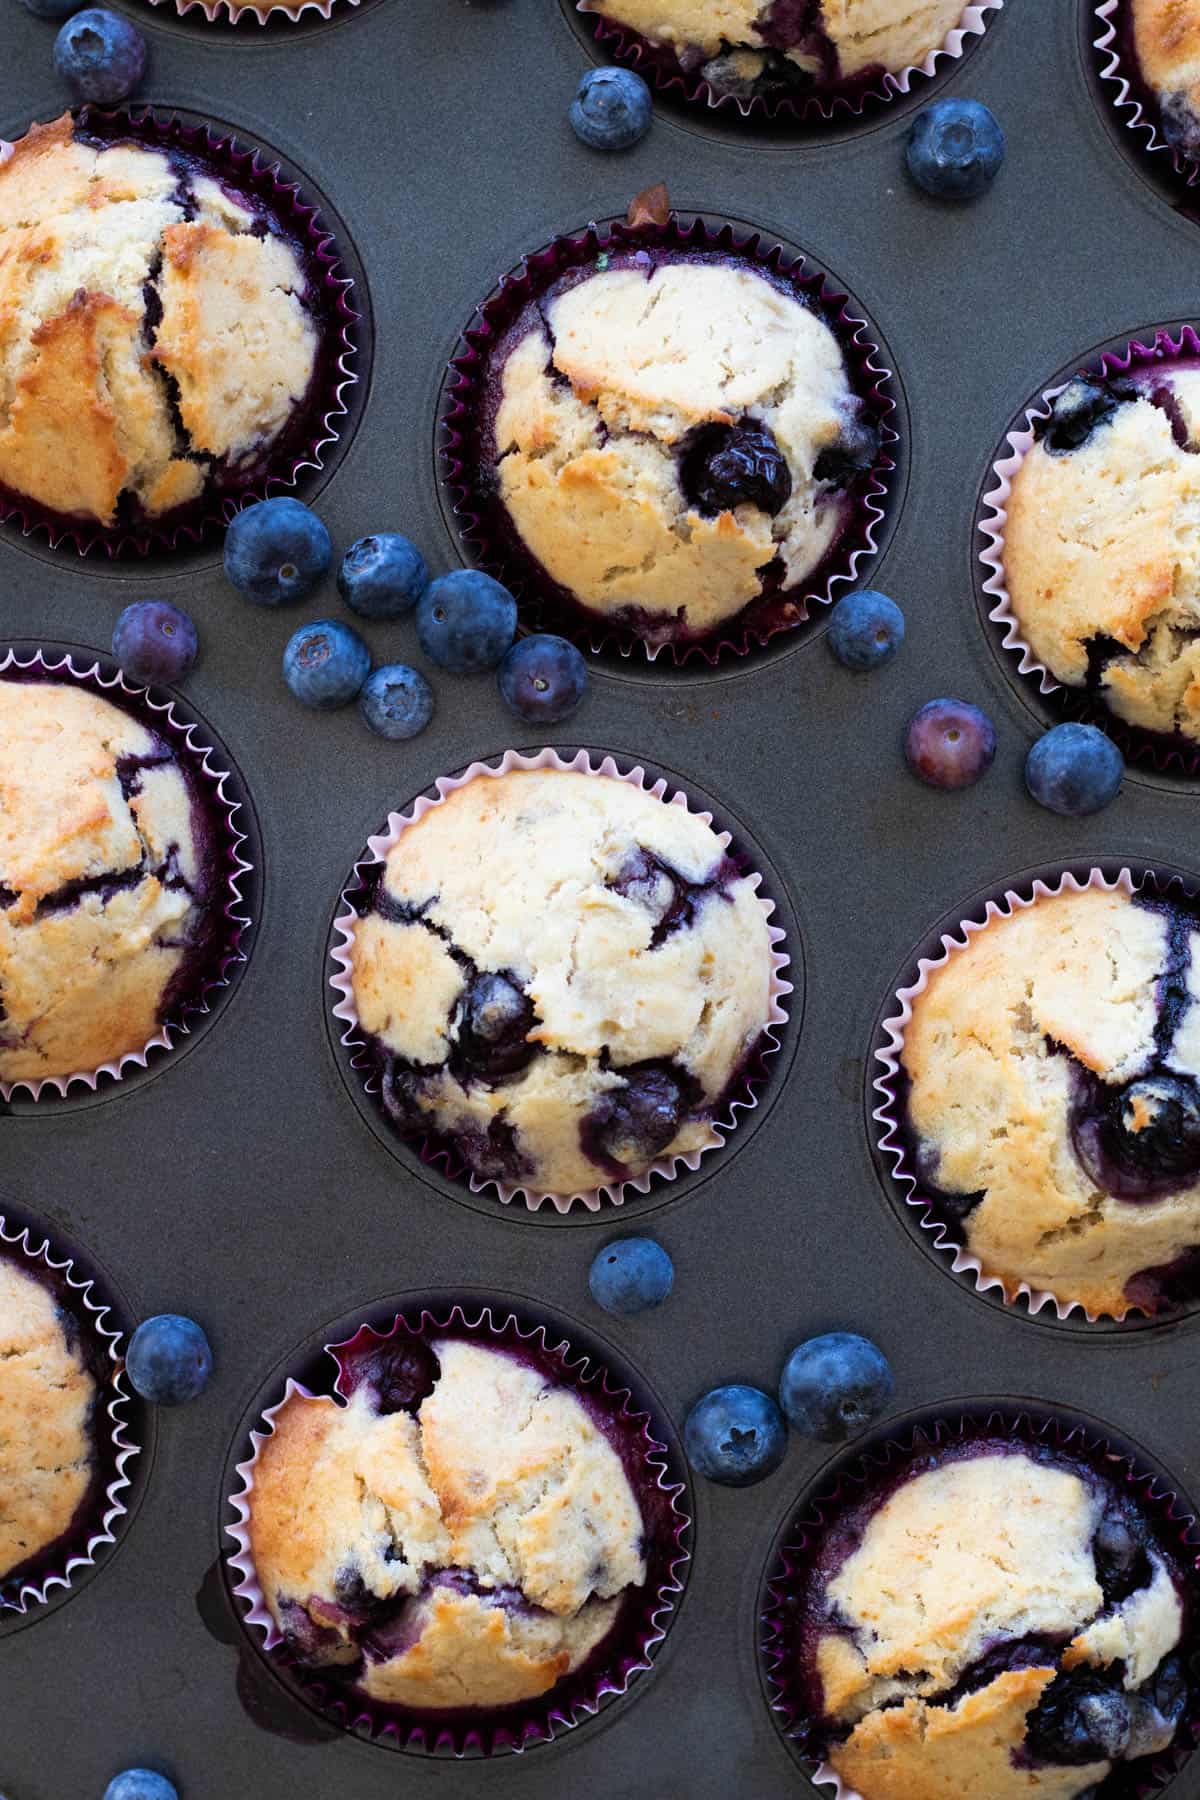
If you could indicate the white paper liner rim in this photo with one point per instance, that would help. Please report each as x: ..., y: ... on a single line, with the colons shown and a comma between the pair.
x: 23, y: 1240
x: 248, y: 1590
x: 768, y: 1043
x: 188, y: 736
x: 213, y: 9
x: 886, y: 1115
x: 973, y: 23
x: 1126, y: 102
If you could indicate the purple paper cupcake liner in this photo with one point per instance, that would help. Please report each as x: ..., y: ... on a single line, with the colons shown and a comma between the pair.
x: 839, y: 103
x: 740, y: 1096
x: 468, y: 406
x: 1166, y: 1292
x: 316, y: 423
x: 222, y: 951
x: 821, y: 1533
x: 1165, y: 754
x: 1134, y: 102
x: 627, y: 1652
x: 98, y: 1517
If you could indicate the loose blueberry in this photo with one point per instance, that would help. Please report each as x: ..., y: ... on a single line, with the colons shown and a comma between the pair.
x: 634, y: 1124
x: 169, y: 1360
x: 834, y: 1386
x: 495, y: 1022
x: 100, y: 56
x: 866, y: 630
x: 396, y: 701
x: 383, y: 576
x: 631, y: 1275
x: 735, y: 1435
x: 950, y: 744
x: 542, y: 678
x: 325, y: 664
x: 140, y: 1784
x: 276, y: 551
x: 1141, y: 1141
x: 466, y: 621
x: 154, y: 642
x: 724, y: 466
x: 955, y: 149
x: 1074, y: 770
x: 612, y: 109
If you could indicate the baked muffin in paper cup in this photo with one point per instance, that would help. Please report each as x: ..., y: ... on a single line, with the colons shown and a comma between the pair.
x: 1039, y: 1095
x: 68, y: 1421
x: 200, y: 342
x: 122, y: 910
x: 1058, y: 1651
x: 1098, y: 609
x: 531, y: 1552
x: 748, y: 468
x: 532, y: 1066
x: 1148, y: 52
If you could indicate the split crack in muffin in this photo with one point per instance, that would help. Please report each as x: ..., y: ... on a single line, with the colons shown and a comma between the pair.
x: 562, y: 975
x: 672, y: 435
x: 458, y: 1534
x: 1166, y: 37
x: 1052, y: 1070
x: 1102, y: 546
x: 47, y: 1399
x: 153, y: 328
x: 997, y: 1623
x: 103, y: 881
x: 741, y: 45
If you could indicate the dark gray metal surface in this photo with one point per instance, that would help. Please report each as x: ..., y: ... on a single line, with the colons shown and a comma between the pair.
x: 241, y: 1184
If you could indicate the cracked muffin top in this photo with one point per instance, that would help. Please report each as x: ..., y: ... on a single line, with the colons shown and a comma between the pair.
x: 561, y: 975
x: 153, y: 327
x: 1100, y: 554
x: 103, y: 880
x: 674, y: 437
x: 742, y: 45
x: 458, y: 1534
x: 47, y: 1397
x: 1166, y: 38
x: 1052, y: 1070
x: 999, y: 1622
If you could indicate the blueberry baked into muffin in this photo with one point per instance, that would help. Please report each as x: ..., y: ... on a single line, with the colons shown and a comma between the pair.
x: 1166, y: 42
x: 561, y: 976
x: 47, y: 1400
x: 671, y: 437
x: 154, y: 333
x: 1100, y: 557
x: 745, y: 46
x: 1051, y: 1073
x: 995, y: 1622
x: 460, y: 1534
x: 105, y: 881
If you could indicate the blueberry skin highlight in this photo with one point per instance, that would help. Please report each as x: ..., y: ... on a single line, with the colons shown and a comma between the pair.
x: 276, y: 551
x: 1074, y: 770
x: 631, y: 1275
x: 100, y: 56
x: 325, y: 664
x: 866, y: 630
x: 735, y: 1436
x: 834, y: 1386
x: 466, y: 621
x: 169, y: 1360
x: 612, y: 109
x: 955, y: 149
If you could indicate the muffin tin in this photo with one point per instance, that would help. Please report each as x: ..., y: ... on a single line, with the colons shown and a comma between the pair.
x: 243, y: 1185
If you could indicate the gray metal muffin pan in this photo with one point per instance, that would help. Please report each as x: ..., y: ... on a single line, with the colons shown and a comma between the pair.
x: 241, y: 1184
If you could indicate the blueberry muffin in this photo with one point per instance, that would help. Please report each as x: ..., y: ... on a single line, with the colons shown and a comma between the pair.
x: 459, y: 1534
x: 1166, y: 41
x: 744, y: 46
x: 998, y: 1622
x: 560, y: 975
x: 672, y: 437
x: 154, y: 333
x: 1051, y: 1073
x: 105, y: 881
x: 47, y: 1399
x: 1100, y: 557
